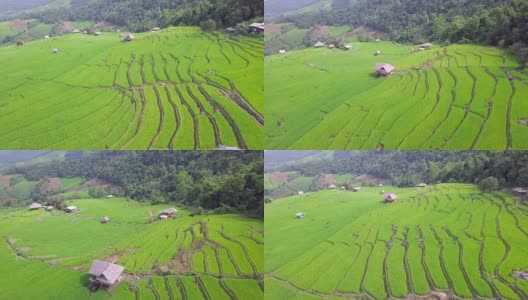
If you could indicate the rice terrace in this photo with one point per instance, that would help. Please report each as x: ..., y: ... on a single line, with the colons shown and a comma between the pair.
x: 444, y: 240
x: 457, y: 97
x: 177, y: 88
x: 200, y: 257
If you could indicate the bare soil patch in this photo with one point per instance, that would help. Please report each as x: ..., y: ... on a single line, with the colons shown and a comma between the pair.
x: 113, y: 257
x: 278, y: 177
x: 51, y: 184
x: 320, y: 32
x: 97, y: 183
x: 64, y: 27
x: 19, y: 24
x: 324, y: 180
x: 272, y: 28
x: 24, y: 249
x: 5, y: 181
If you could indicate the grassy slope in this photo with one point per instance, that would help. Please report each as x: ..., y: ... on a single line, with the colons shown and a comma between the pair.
x: 345, y: 234
x: 328, y: 99
x: 55, y: 242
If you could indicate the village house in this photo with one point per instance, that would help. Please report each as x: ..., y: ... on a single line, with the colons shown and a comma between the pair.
x: 377, y: 53
x: 300, y: 192
x: 356, y: 189
x: 332, y: 186
x: 128, y: 37
x: 421, y: 185
x: 76, y: 31
x: 105, y: 274
x: 347, y: 47
x: 380, y: 185
x: 299, y: 215
x: 167, y: 213
x: 520, y: 192
x: 282, y: 51
x: 49, y: 208
x: 46, y: 36
x: 56, y: 50
x: 155, y: 29
x: 97, y: 33
x: 343, y: 188
x: 331, y: 46
x: 319, y: 45
x: 383, y: 69
x: 230, y: 30
x: 257, y: 27
x: 71, y: 209
x: 389, y: 197
x: 105, y: 220
x: 426, y: 45
x: 35, y: 206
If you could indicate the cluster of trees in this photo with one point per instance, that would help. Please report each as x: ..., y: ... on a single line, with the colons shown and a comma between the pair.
x: 213, y: 180
x: 490, y: 169
x: 141, y: 15
x: 501, y: 23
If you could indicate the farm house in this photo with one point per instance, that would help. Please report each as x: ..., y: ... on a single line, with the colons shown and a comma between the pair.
x: 282, y: 51
x: 389, y: 197
x: 377, y: 53
x: 383, y: 69
x: 105, y: 274
x: 343, y: 188
x: 300, y: 192
x: 356, y: 189
x: 167, y: 213
x: 348, y: 47
x: 110, y: 196
x: 380, y: 185
x: 105, y: 220
x: 35, y: 206
x: 257, y: 27
x: 299, y: 215
x: 71, y: 209
x: 155, y: 29
x: 319, y: 44
x: 426, y: 45
x: 49, y: 208
x: 56, y: 50
x: 331, y: 46
x: 520, y: 192
x: 332, y: 186
x: 128, y: 37
x: 421, y: 185
x: 230, y: 30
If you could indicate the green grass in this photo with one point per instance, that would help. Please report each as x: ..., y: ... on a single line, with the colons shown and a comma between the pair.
x: 444, y: 237
x: 442, y: 98
x: 102, y: 93
x: 62, y: 247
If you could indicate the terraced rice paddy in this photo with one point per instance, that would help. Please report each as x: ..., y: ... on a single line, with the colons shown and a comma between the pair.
x: 201, y: 257
x: 458, y: 97
x: 448, y: 237
x: 179, y: 88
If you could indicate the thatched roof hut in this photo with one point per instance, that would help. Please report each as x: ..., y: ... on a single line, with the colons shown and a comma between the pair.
x: 156, y: 29
x: 389, y: 197
x: 105, y: 273
x: 128, y: 37
x: 383, y: 69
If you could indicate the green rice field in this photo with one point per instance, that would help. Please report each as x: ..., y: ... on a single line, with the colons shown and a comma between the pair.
x: 449, y: 238
x: 179, y: 88
x: 189, y: 257
x: 458, y: 97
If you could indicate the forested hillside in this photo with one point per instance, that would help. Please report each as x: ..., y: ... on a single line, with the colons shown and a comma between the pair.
x: 227, y: 181
x: 501, y: 23
x: 407, y: 168
x: 140, y: 15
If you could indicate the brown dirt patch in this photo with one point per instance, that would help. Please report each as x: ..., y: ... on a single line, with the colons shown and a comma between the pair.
x: 320, y: 32
x: 324, y: 181
x: 278, y: 177
x: 272, y: 28
x: 95, y: 182
x: 5, y: 181
x: 51, y: 185
x: 113, y: 257
x: 24, y: 249
x: 64, y: 27
x: 182, y: 262
x: 19, y: 24
x: 12, y: 241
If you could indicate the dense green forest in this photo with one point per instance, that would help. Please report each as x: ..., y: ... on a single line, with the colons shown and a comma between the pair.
x: 502, y: 23
x: 407, y: 168
x: 140, y: 15
x: 221, y: 180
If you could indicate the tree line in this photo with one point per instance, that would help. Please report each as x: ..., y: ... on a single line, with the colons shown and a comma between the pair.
x: 224, y: 181
x: 407, y: 168
x: 502, y: 23
x: 141, y: 15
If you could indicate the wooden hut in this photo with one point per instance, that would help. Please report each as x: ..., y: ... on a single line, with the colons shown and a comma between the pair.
x: 105, y: 220
x: 332, y: 186
x: 105, y: 274
x: 319, y: 45
x: 299, y: 215
x: 71, y: 209
x: 389, y: 198
x: 520, y: 192
x: 167, y: 213
x: 156, y: 29
x: 421, y: 185
x: 356, y: 189
x: 347, y: 47
x: 383, y: 69
x: 128, y: 37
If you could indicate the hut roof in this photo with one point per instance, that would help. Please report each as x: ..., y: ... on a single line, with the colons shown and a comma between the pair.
x: 223, y: 147
x: 156, y: 29
x: 71, y: 207
x: 105, y: 270
x: 426, y: 45
x: 421, y: 185
x: 35, y: 205
x: 389, y: 197
x: 128, y: 37
x: 105, y: 219
x: 299, y: 215
x: 319, y: 44
x: 332, y: 186
x: 519, y: 190
x: 168, y: 211
x: 383, y: 66
x: 348, y: 46
x: 256, y: 24
x: 356, y: 188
